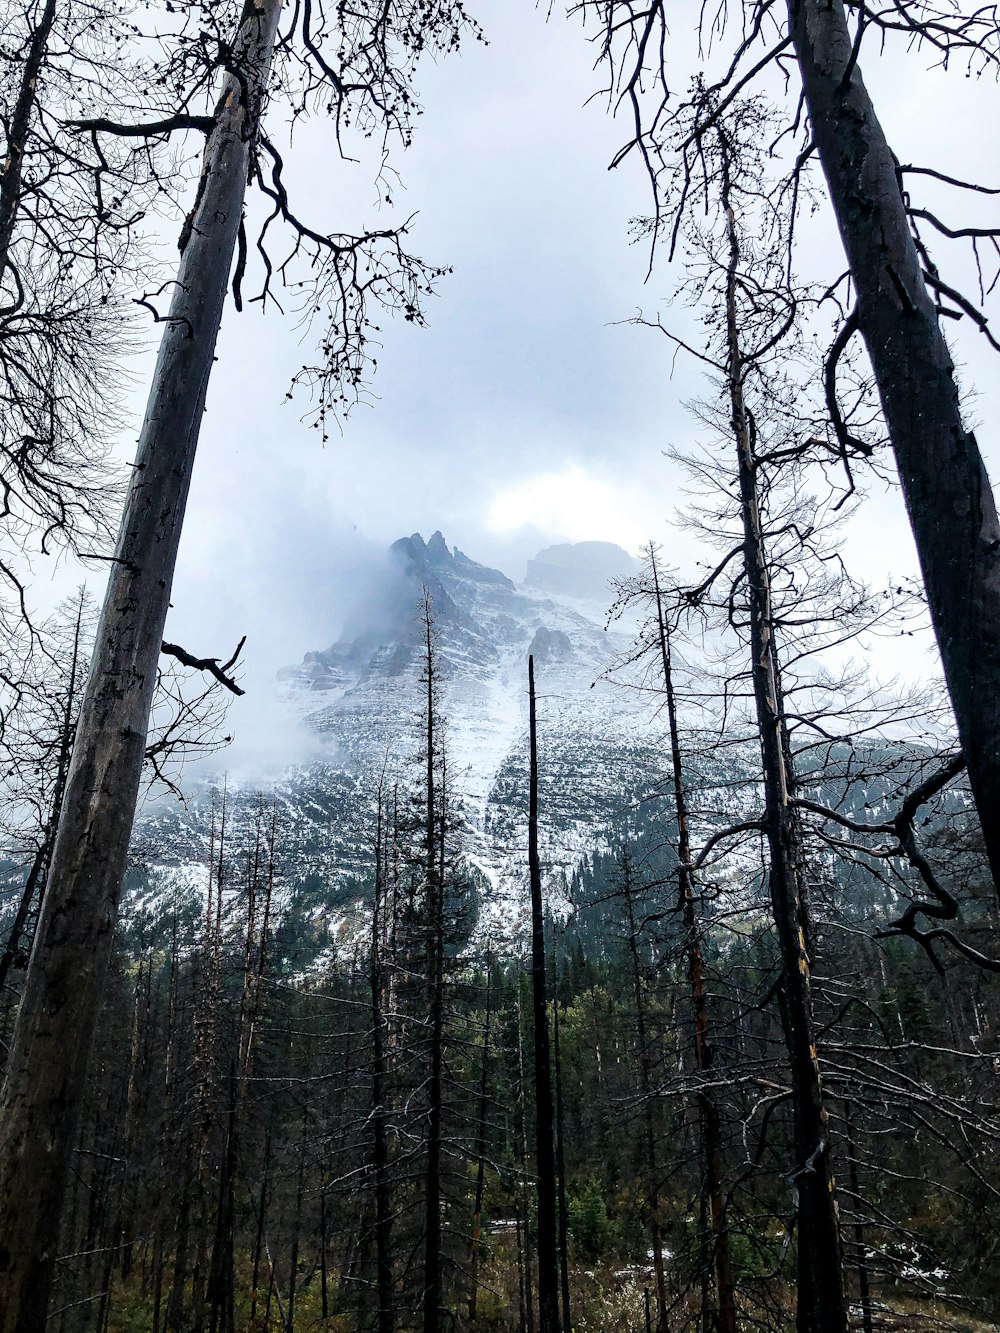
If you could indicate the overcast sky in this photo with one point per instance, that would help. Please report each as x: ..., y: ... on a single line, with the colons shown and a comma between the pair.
x: 524, y: 414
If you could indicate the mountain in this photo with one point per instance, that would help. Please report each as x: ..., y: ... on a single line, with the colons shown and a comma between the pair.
x: 359, y: 701
x: 358, y: 705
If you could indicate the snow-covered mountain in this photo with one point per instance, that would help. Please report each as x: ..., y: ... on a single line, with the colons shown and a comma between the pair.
x: 596, y: 744
x: 360, y: 701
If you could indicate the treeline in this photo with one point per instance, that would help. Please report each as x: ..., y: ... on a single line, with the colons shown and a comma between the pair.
x: 260, y: 1146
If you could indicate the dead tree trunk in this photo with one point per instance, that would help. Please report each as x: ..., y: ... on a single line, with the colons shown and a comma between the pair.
x: 567, y: 1319
x: 69, y: 963
x: 435, y: 980
x: 708, y: 1111
x: 477, y: 1208
x: 821, y: 1306
x: 548, y: 1259
x: 864, y: 1286
x: 646, y: 1082
x: 379, y: 1104
x: 948, y: 494
x: 524, y: 1248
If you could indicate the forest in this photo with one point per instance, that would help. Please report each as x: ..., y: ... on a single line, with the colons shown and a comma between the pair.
x: 733, y: 1067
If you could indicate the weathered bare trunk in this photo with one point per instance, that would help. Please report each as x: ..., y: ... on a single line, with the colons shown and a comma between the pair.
x: 259, y: 1243
x: 379, y: 1104
x: 477, y: 1207
x: 821, y: 1305
x: 861, y: 1261
x: 548, y: 1259
x: 521, y: 1160
x: 433, y: 1276
x: 948, y: 494
x: 69, y: 962
x: 567, y: 1318
x: 646, y: 1083
x: 710, y: 1121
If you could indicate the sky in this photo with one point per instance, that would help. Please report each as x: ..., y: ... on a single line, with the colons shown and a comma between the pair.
x: 527, y: 412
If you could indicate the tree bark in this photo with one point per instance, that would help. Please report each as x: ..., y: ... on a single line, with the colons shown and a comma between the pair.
x: 477, y: 1207
x: 567, y: 1319
x: 649, y: 1125
x: 822, y: 1306
x: 379, y: 1106
x: 69, y: 962
x: 435, y: 979
x: 948, y: 495
x: 548, y: 1259
x: 861, y: 1260
x: 710, y: 1121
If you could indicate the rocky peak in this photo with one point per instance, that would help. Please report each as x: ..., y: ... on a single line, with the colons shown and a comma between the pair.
x: 437, y: 548
x: 432, y: 561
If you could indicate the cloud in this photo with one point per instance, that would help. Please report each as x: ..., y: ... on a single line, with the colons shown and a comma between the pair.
x: 572, y: 504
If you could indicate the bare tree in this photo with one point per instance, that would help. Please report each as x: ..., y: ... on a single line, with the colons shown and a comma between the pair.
x: 901, y: 294
x: 66, y: 975
x: 548, y: 1257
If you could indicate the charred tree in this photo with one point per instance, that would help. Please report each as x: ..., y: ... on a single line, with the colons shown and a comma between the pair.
x: 548, y: 1259
x: 379, y: 1091
x: 821, y: 1306
x: 69, y: 963
x: 709, y: 1116
x: 948, y: 494
x: 481, y: 1126
x: 434, y: 893
x: 567, y: 1319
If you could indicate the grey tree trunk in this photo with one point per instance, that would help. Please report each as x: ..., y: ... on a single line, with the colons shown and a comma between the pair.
x: 653, y: 1170
x: 821, y: 1303
x: 948, y: 495
x: 548, y: 1257
x: 434, y: 827
x: 710, y: 1120
x: 66, y: 976
x: 477, y: 1210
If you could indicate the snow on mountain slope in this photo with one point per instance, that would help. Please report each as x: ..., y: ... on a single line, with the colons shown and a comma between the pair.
x: 361, y: 700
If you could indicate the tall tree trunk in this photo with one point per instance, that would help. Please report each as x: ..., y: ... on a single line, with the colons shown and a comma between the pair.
x: 435, y: 968
x: 259, y: 1243
x: 710, y: 1121
x: 567, y: 1320
x: 646, y: 1081
x: 521, y: 1156
x: 69, y: 963
x: 221, y: 1275
x: 864, y: 1288
x: 822, y: 1307
x: 379, y: 1108
x: 293, y: 1262
x: 548, y: 1259
x: 477, y: 1207
x: 948, y: 494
